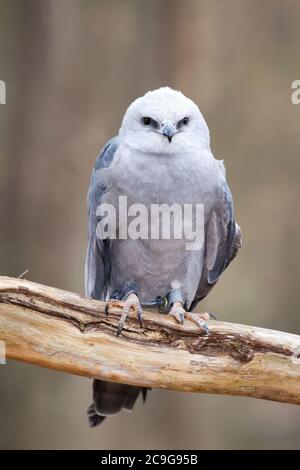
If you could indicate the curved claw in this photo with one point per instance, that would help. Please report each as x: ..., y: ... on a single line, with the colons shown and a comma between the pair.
x: 133, y: 302
x: 200, y: 319
x: 212, y: 315
x: 204, y: 326
x: 178, y: 312
x: 120, y: 328
x: 140, y: 314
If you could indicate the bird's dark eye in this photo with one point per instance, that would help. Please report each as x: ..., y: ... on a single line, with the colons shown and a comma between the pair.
x: 183, y: 122
x: 146, y: 121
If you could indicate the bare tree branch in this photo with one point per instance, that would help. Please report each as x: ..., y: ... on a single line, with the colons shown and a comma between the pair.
x: 60, y: 330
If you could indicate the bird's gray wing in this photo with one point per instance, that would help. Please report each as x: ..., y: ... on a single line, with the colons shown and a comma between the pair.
x: 108, y: 398
x: 222, y: 242
x: 97, y: 264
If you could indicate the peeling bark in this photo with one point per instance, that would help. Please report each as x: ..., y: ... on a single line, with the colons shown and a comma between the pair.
x: 60, y: 330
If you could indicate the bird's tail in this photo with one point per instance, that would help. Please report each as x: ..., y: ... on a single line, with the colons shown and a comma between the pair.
x: 93, y: 417
x: 109, y: 398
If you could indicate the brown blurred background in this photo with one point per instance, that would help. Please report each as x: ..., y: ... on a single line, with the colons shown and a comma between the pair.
x: 71, y: 68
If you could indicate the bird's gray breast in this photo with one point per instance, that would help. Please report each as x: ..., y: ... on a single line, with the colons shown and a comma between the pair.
x: 171, y: 178
x: 158, y: 264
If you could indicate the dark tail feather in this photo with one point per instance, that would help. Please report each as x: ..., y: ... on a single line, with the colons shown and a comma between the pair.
x: 93, y: 417
x: 144, y: 393
x: 109, y: 398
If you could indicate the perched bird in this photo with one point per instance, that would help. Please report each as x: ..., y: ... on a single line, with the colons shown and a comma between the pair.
x: 161, y: 155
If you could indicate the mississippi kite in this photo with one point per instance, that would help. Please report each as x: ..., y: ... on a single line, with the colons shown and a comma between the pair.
x: 161, y: 156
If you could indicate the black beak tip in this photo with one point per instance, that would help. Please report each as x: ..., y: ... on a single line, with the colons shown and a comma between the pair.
x: 169, y: 138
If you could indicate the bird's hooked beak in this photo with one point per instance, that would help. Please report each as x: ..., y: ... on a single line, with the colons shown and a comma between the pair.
x: 168, y: 129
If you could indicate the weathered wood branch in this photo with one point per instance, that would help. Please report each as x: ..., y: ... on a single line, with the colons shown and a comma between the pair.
x: 60, y: 330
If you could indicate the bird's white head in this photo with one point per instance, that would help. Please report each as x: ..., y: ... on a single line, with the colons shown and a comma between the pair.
x: 164, y: 121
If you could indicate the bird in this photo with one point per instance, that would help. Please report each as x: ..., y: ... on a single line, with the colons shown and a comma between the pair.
x: 161, y: 155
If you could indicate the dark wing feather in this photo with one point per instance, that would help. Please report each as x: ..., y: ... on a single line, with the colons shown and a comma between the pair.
x: 97, y: 265
x: 222, y: 242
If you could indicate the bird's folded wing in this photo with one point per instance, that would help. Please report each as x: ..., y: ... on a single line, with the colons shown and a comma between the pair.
x: 222, y: 242
x: 97, y: 264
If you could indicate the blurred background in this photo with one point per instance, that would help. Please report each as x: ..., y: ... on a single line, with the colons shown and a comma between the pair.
x: 71, y: 68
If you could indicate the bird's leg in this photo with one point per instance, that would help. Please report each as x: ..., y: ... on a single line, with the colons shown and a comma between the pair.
x: 179, y: 313
x: 132, y: 301
x: 129, y: 300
